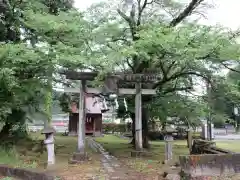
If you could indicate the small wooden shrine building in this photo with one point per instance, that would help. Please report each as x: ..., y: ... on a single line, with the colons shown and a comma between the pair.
x: 93, y: 124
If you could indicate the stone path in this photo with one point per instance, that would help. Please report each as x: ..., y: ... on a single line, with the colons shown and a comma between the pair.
x: 113, y: 168
x: 109, y: 162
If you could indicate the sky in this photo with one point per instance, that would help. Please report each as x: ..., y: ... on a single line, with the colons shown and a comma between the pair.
x: 223, y: 13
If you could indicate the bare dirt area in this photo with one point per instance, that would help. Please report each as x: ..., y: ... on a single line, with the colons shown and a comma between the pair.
x: 86, y: 171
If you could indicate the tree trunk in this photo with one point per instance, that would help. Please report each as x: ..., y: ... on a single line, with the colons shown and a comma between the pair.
x: 48, y: 101
x: 237, y: 124
x: 145, y: 119
x: 164, y: 124
x: 5, y: 132
x: 153, y: 123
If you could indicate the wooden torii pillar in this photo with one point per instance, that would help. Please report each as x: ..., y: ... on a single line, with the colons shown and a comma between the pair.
x: 138, y: 79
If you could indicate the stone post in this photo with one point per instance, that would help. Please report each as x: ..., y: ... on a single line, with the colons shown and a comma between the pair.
x: 81, y: 154
x: 82, y: 119
x: 213, y: 132
x: 49, y: 142
x: 168, y: 147
x: 138, y: 118
x: 204, y: 131
x: 189, y: 140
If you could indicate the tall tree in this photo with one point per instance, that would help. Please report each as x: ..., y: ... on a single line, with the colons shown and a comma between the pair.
x: 226, y: 96
x: 143, y: 35
x: 33, y: 39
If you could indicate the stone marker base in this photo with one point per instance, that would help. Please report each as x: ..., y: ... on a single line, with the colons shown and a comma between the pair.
x: 139, y: 153
x: 49, y: 166
x: 173, y: 177
x: 171, y: 162
x: 172, y: 173
x: 79, y: 157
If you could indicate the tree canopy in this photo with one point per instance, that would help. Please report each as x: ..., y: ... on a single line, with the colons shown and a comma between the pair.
x: 28, y: 54
x: 43, y: 37
x: 161, y: 36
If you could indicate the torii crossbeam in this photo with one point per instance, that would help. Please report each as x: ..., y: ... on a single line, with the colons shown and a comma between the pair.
x: 138, y: 79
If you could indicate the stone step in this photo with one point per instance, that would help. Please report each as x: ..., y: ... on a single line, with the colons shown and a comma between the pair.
x: 173, y: 177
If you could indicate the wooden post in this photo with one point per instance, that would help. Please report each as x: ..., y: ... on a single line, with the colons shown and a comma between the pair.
x: 138, y: 117
x: 82, y: 119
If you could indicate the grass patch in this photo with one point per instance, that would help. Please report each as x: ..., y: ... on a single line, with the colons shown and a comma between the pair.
x: 25, y: 154
x: 7, y: 157
x: 12, y: 158
x: 229, y: 145
x: 149, y: 164
x: 121, y: 148
x: 65, y: 146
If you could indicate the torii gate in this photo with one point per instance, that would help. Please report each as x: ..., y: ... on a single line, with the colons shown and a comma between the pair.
x: 111, y: 87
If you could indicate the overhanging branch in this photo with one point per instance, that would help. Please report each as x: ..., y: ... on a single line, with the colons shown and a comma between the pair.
x: 221, y: 62
x: 140, y: 10
x: 174, y: 89
x: 186, y: 12
x: 131, y: 22
x: 229, y: 68
x: 182, y: 74
x: 129, y: 64
x: 124, y: 16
